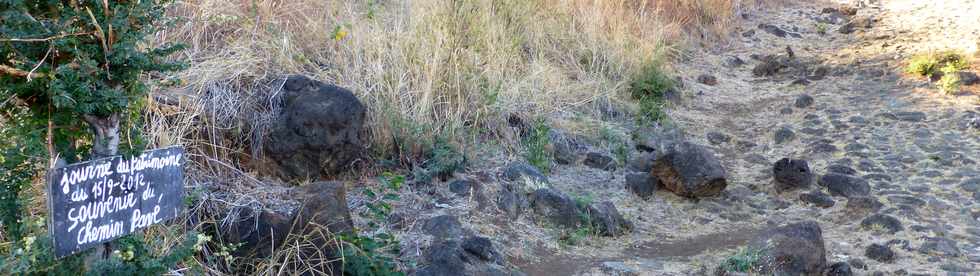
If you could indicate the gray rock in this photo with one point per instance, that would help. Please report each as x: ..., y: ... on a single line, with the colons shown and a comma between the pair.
x: 707, y: 79
x: 716, y: 138
x: 968, y: 78
x: 691, y: 170
x: 461, y: 187
x: 888, y: 223
x: 773, y: 30
x: 443, y: 227
x: 733, y: 62
x: 841, y: 169
x: 481, y: 247
x: 566, y: 149
x: 821, y: 146
x: 657, y: 139
x: 319, y: 132
x: 783, y: 134
x: 641, y: 184
x: 939, y: 246
x: 910, y: 116
x: 791, y: 174
x: 839, y: 269
x: 803, y: 101
x: 862, y: 206
x: 642, y: 162
x: 257, y: 231
x: 520, y: 171
x: 511, y: 203
x: 556, y: 207
x: 599, y: 161
x: 606, y: 218
x: 845, y: 185
x: 793, y: 249
x: 880, y: 253
x: 818, y: 199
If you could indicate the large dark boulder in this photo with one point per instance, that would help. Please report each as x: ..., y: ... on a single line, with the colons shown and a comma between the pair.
x: 690, y: 170
x: 791, y: 174
x: 793, y: 249
x: 319, y: 132
x: 641, y: 184
x: 555, y: 207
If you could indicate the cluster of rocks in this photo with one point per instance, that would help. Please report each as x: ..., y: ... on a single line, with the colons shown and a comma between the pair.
x: 455, y: 250
x: 527, y: 190
x: 665, y: 159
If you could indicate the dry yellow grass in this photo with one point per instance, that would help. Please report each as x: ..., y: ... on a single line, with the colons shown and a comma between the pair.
x: 423, y: 68
x: 438, y: 66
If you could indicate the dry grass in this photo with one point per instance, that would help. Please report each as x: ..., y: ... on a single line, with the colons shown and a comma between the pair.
x: 423, y: 68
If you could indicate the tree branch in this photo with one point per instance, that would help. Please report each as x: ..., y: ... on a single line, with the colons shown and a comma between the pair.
x: 7, y: 70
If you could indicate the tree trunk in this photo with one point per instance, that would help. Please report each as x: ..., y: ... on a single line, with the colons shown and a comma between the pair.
x: 105, y: 144
x: 106, y: 130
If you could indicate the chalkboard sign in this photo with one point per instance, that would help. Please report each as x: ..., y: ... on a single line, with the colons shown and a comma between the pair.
x: 97, y: 201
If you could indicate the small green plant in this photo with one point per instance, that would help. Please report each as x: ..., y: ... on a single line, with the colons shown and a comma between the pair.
x: 536, y: 146
x: 617, y: 145
x: 446, y: 159
x: 821, y: 28
x: 744, y: 260
x: 950, y: 82
x: 372, y: 255
x: 133, y: 257
x: 649, y: 88
x: 586, y: 227
x: 929, y: 64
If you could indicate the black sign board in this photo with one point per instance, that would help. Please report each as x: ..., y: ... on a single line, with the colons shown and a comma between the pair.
x: 97, y: 201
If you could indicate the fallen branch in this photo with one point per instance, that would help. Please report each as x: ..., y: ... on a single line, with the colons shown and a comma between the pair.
x: 7, y: 70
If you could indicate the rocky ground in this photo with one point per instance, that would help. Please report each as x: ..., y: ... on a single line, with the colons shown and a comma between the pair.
x: 881, y: 164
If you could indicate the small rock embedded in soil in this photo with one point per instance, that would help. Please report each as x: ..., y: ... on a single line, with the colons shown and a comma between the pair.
x: 443, y: 227
x: 939, y: 246
x: 707, y: 79
x: 803, y: 101
x: 461, y: 187
x: 845, y: 185
x: 607, y: 219
x: 555, y: 207
x: 839, y: 269
x: 772, y: 29
x: 733, y: 61
x: 818, y: 199
x: 518, y: 171
x: 783, y: 134
x: 885, y: 222
x: 716, y: 138
x: 791, y: 174
x: 880, y: 253
x: 481, y: 247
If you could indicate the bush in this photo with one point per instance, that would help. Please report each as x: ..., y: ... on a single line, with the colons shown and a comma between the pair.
x: 744, y: 260
x: 536, y: 146
x: 649, y: 88
x: 950, y: 82
x: 929, y: 64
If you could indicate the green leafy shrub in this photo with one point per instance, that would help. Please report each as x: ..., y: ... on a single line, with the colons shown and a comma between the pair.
x: 744, y: 260
x: 649, y: 88
x: 950, y: 82
x: 536, y: 146
x: 372, y: 255
x: 69, y: 67
x: 929, y: 64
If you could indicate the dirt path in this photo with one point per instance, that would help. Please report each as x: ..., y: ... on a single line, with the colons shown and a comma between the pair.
x: 913, y: 144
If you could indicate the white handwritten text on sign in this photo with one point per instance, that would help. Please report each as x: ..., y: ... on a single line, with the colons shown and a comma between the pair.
x: 97, y: 201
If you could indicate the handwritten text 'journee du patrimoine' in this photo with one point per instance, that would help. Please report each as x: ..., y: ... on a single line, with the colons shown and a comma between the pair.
x: 109, y: 195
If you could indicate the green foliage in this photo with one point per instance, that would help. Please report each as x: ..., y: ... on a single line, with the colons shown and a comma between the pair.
x: 371, y: 255
x: 133, y: 258
x: 821, y: 28
x: 616, y: 143
x: 62, y: 60
x: 536, y: 146
x: 586, y: 227
x: 649, y: 88
x: 929, y: 64
x: 744, y: 260
x: 950, y: 82
x: 445, y: 160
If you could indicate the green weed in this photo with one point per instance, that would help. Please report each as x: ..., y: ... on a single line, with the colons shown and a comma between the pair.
x: 536, y: 144
x: 649, y: 89
x: 744, y: 260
